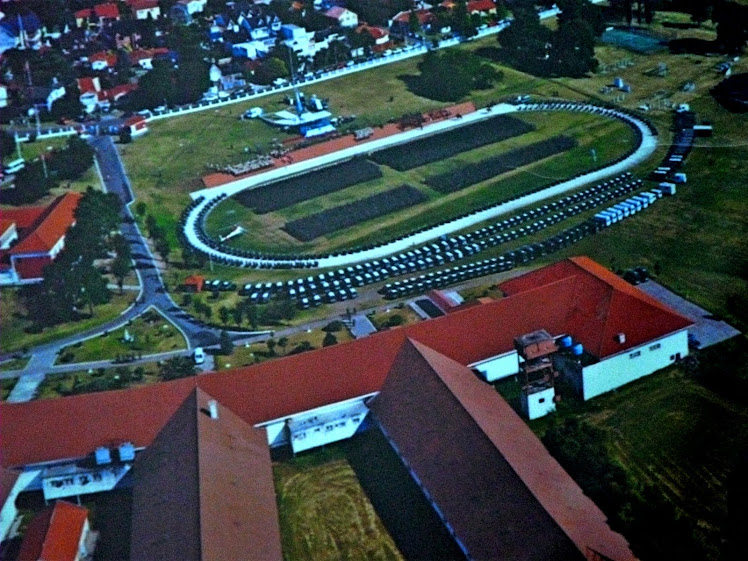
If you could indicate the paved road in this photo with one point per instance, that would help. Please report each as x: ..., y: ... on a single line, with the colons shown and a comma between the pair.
x: 152, y: 292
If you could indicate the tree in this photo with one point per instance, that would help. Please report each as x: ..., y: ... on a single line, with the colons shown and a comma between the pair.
x: 283, y: 343
x: 461, y: 21
x: 238, y: 314
x: 329, y: 340
x: 252, y: 316
x: 75, y: 160
x: 732, y: 26
x: 450, y: 75
x: 271, y: 346
x: 120, y: 269
x: 573, y: 52
x: 270, y: 70
x: 163, y: 248
x: 524, y: 44
x: 176, y: 367
x: 224, y: 314
x: 121, y: 246
x: 226, y: 345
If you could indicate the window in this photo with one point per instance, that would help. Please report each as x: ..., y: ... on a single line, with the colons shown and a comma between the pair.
x: 541, y: 400
x: 655, y: 347
x: 635, y: 354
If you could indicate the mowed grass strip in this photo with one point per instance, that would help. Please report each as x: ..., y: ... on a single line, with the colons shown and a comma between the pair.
x: 338, y: 218
x: 450, y: 143
x: 457, y: 180
x: 325, y: 515
x: 289, y: 192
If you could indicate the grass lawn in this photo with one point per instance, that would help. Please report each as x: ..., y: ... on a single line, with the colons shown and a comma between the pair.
x: 609, y: 138
x: 101, y: 379
x: 6, y: 386
x: 383, y: 320
x: 669, y: 431
x: 18, y: 330
x: 152, y: 334
x: 260, y: 352
x: 14, y: 364
x: 325, y: 514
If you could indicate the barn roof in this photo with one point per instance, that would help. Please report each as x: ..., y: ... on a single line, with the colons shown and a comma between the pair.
x: 214, y: 482
x: 494, y: 483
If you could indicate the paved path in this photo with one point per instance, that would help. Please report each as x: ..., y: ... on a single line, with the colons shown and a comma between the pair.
x: 707, y: 329
x: 193, y: 223
x: 152, y: 291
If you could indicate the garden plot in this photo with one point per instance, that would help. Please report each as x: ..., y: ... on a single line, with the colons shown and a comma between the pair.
x: 466, y: 176
x: 316, y: 225
x: 287, y: 193
x: 453, y: 142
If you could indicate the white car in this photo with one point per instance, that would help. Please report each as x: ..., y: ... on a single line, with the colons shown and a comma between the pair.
x: 252, y: 113
x: 198, y: 355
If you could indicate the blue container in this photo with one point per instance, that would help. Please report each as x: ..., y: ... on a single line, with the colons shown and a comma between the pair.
x: 564, y: 342
x: 577, y: 349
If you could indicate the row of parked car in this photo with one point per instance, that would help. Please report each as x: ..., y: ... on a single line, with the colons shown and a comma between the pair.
x: 326, y: 287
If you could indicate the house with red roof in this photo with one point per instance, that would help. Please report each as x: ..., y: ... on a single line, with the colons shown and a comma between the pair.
x: 400, y: 22
x: 143, y: 9
x: 98, y: 15
x: 102, y: 60
x: 380, y: 35
x: 342, y: 16
x: 137, y: 125
x: 60, y: 532
x: 33, y: 237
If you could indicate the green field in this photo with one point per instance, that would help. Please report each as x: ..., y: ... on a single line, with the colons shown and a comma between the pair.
x: 152, y: 334
x: 324, y: 513
x: 609, y: 138
x: 18, y: 330
x: 673, y: 433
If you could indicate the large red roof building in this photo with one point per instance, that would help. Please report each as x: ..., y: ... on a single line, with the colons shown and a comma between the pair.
x: 626, y: 334
x: 33, y: 237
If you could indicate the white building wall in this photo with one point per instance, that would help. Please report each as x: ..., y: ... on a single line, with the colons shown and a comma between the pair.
x: 538, y: 404
x: 498, y: 367
x: 633, y: 364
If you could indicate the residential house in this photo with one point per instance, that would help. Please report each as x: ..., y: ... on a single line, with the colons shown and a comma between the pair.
x: 102, y: 60
x: 32, y: 237
x: 98, y: 15
x: 60, y: 532
x: 143, y: 9
x: 400, y: 22
x: 343, y: 16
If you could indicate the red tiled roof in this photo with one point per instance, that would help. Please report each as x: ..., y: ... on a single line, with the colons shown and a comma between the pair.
x: 480, y: 6
x: 375, y: 32
x: 575, y: 304
x: 47, y: 232
x: 138, y: 5
x: 144, y: 54
x: 106, y: 11
x: 600, y: 305
x: 23, y: 217
x: 54, y: 534
x: 85, y: 13
x: 424, y: 17
x: 113, y: 94
x: 134, y: 120
x: 88, y: 84
x: 109, y: 58
x: 577, y: 515
x: 28, y: 268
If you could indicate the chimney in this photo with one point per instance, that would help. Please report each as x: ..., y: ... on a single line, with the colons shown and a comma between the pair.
x: 621, y: 338
x: 213, y: 409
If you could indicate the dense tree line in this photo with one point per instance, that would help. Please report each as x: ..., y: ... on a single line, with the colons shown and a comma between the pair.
x: 72, y: 283
x: 450, y: 75
x: 568, y: 51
